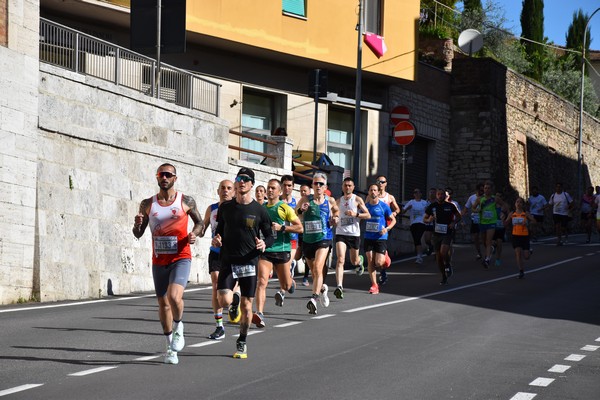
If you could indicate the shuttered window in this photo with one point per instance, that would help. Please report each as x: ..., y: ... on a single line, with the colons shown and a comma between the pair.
x: 296, y: 7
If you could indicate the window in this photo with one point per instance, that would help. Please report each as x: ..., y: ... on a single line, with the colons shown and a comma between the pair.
x: 295, y: 7
x: 261, y: 113
x: 340, y: 129
x: 373, y: 16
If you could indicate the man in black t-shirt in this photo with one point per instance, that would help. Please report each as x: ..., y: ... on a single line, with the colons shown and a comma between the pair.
x: 240, y: 222
x: 444, y: 216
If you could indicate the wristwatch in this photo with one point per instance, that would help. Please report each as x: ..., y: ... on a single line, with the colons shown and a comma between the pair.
x: 282, y: 229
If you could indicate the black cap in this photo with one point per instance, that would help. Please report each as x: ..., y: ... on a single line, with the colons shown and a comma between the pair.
x: 246, y: 171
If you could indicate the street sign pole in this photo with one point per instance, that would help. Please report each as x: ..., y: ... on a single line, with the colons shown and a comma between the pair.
x: 403, y: 171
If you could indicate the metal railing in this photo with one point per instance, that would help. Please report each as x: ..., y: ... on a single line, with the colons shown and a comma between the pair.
x: 85, y: 54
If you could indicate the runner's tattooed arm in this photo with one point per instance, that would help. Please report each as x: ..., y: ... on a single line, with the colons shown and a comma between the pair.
x: 141, y: 219
x: 195, y: 216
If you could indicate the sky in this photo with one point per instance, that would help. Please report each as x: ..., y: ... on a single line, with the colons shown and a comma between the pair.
x: 558, y: 15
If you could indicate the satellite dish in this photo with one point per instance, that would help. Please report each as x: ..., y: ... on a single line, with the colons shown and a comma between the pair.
x: 470, y: 41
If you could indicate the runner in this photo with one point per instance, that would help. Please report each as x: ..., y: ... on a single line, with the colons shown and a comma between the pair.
x: 488, y: 216
x: 260, y: 193
x: 475, y: 231
x: 167, y: 214
x: 520, y: 233
x: 347, y: 233
x: 429, y: 226
x: 416, y: 210
x: 225, y: 192
x: 318, y: 214
x: 561, y: 203
x: 537, y: 204
x: 391, y: 202
x: 587, y: 212
x: 449, y: 193
x: 444, y: 216
x: 304, y: 191
x: 284, y: 220
x: 500, y: 230
x: 287, y: 188
x: 239, y: 225
x: 376, y: 234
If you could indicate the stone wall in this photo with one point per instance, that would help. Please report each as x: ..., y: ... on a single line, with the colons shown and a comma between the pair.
x: 18, y: 152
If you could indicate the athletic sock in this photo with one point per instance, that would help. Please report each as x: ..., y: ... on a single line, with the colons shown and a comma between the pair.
x: 169, y: 337
x: 242, y: 337
x: 219, y: 319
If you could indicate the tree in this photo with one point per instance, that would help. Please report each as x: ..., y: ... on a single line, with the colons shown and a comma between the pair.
x: 574, y: 34
x: 532, y: 27
x: 471, y: 5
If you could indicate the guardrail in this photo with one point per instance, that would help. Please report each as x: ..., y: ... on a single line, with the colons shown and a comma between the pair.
x: 85, y: 54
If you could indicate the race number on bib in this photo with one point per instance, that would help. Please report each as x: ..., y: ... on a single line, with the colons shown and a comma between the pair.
x: 347, y: 221
x: 441, y: 228
x: 243, y: 271
x: 518, y: 221
x: 372, y: 226
x: 488, y: 214
x: 313, y: 226
x: 165, y: 244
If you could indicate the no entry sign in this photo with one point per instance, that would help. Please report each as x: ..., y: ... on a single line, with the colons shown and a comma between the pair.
x: 404, y: 133
x: 399, y: 113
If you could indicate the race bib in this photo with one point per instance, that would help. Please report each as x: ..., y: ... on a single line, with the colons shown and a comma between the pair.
x: 165, y: 244
x: 499, y: 224
x: 372, y: 226
x: 347, y: 221
x: 441, y: 228
x: 518, y: 221
x: 488, y: 214
x: 475, y: 218
x: 313, y: 226
x: 243, y: 271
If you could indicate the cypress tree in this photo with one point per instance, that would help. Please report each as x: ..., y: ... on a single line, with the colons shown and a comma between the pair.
x: 574, y: 34
x: 532, y: 27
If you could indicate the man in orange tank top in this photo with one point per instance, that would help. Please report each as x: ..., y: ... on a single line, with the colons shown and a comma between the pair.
x: 167, y: 214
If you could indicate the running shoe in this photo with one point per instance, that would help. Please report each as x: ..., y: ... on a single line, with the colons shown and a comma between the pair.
x: 171, y: 356
x: 419, y: 260
x: 218, y: 334
x: 429, y: 250
x: 478, y: 256
x: 178, y: 341
x: 241, y: 350
x: 312, y: 306
x: 323, y: 298
x: 374, y: 289
x: 279, y: 298
x: 234, y: 309
x: 339, y: 292
x: 486, y: 263
x: 521, y: 274
x: 493, y: 249
x: 360, y: 268
x: 305, y: 282
x: 383, y: 278
x: 388, y: 261
x: 292, y: 268
x: 444, y: 281
x: 292, y: 288
x: 498, y: 263
x: 258, y: 319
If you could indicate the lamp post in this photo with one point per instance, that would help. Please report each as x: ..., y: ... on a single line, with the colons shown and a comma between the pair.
x: 579, y: 156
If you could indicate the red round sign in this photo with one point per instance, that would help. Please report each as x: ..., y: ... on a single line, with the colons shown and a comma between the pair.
x: 404, y: 133
x: 399, y: 113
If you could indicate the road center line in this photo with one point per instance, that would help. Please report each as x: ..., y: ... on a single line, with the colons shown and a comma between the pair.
x: 147, y: 358
x: 589, y: 347
x: 93, y: 371
x: 460, y: 287
x: 287, y: 324
x: 207, y: 343
x: 523, y: 396
x: 17, y: 389
x: 574, y: 357
x: 559, y: 368
x: 324, y: 316
x: 542, y: 382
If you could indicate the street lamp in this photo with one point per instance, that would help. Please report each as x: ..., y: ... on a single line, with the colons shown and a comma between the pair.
x: 579, y: 157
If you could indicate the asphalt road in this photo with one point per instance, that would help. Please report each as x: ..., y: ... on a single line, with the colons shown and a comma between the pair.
x: 486, y: 335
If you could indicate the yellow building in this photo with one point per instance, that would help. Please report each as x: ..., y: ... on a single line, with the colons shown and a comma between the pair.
x: 263, y: 52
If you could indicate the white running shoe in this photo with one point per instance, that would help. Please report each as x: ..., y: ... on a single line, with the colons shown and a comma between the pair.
x: 178, y: 342
x: 323, y: 299
x: 419, y: 260
x: 171, y: 357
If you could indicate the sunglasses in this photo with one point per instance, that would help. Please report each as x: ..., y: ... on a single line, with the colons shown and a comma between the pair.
x: 243, y: 178
x: 168, y: 175
x: 382, y: 182
x: 319, y: 183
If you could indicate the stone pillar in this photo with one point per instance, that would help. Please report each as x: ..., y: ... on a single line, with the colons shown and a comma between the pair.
x: 282, y: 150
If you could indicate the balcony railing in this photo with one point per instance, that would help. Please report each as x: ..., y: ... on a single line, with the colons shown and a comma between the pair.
x: 85, y: 54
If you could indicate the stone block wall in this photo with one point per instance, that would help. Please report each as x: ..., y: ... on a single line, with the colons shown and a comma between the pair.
x: 18, y: 152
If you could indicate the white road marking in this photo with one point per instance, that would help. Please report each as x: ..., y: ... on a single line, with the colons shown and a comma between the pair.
x: 17, y: 389
x: 598, y: 340
x: 543, y: 382
x: 459, y: 287
x: 523, y: 396
x: 559, y: 368
x: 574, y: 357
x: 250, y: 333
x: 590, y: 254
x: 287, y: 324
x: 93, y: 371
x: 324, y: 316
x: 589, y: 347
x: 147, y: 358
x: 207, y: 343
